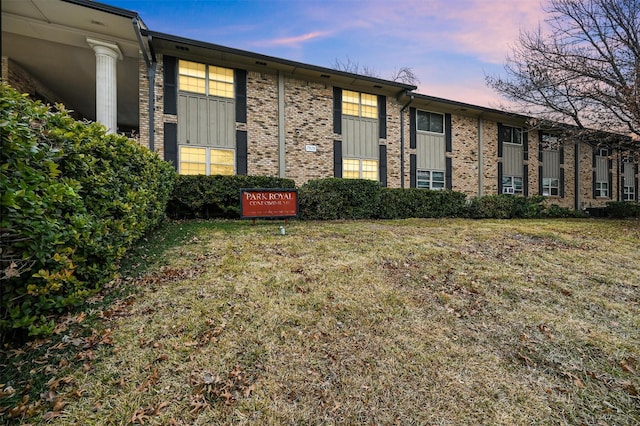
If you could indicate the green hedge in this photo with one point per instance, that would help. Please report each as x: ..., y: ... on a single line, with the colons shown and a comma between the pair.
x: 622, y: 209
x: 405, y: 203
x: 215, y: 196
x: 335, y: 198
x: 505, y: 206
x: 73, y: 200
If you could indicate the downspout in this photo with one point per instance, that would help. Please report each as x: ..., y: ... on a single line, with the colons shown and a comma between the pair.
x: 402, y: 110
x: 150, y: 59
x: 281, y: 128
x: 480, y: 157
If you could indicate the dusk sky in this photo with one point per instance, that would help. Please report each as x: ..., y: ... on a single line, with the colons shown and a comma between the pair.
x: 449, y: 44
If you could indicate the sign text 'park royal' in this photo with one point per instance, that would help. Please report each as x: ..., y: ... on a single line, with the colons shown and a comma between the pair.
x: 268, y: 203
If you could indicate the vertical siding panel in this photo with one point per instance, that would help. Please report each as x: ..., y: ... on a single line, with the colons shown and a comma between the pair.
x: 202, y: 120
x: 183, y: 124
x: 192, y: 120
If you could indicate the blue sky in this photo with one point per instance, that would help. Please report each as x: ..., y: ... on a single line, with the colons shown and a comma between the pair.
x: 449, y: 44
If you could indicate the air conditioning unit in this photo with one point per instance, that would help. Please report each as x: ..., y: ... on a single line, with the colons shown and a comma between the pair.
x: 508, y: 190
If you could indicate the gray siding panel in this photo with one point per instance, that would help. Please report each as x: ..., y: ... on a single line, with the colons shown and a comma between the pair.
x: 512, y: 159
x: 629, y: 173
x: 602, y: 169
x: 551, y: 161
x: 206, y: 121
x: 360, y: 137
x: 431, y: 151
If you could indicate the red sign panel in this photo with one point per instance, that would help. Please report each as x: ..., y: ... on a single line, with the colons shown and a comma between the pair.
x: 263, y: 203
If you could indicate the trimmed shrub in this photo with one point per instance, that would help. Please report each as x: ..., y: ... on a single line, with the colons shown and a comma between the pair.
x: 622, y: 209
x: 396, y: 203
x: 555, y: 211
x: 504, y: 206
x: 73, y: 200
x: 336, y: 198
x: 199, y: 196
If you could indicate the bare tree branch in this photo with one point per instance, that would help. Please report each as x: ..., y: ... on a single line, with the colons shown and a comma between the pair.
x: 583, y: 71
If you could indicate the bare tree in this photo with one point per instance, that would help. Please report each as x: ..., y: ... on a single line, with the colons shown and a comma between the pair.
x: 404, y: 74
x: 584, y: 71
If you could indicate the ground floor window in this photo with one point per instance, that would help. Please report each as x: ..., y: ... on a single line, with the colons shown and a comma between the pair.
x: 550, y: 186
x: 430, y: 179
x: 354, y: 168
x: 602, y: 189
x: 206, y: 161
x: 512, y: 185
x: 629, y: 193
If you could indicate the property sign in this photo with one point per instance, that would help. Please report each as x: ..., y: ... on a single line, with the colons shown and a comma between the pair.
x: 268, y: 203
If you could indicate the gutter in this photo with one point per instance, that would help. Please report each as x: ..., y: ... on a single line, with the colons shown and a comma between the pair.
x: 402, y: 110
x: 150, y: 59
x: 480, y: 157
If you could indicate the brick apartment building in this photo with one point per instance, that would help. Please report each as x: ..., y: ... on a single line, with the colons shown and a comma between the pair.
x: 216, y: 110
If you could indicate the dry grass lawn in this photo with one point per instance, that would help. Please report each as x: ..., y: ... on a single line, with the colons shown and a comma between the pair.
x: 416, y: 322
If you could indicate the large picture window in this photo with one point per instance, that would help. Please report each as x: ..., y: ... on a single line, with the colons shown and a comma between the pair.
x: 206, y: 161
x: 205, y: 79
x: 354, y: 168
x: 359, y: 104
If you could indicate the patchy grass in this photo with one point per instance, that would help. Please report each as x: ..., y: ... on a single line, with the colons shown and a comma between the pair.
x: 392, y: 322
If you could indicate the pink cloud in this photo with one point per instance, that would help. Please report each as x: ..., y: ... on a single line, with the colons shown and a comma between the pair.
x: 295, y: 40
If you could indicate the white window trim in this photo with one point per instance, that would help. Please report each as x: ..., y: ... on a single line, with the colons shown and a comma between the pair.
x: 519, y: 129
x: 550, y: 187
x: 360, y: 172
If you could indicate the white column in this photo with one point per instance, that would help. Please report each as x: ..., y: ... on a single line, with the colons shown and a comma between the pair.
x: 107, y: 55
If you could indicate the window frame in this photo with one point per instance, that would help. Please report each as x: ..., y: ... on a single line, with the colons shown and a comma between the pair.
x: 209, y: 80
x: 512, y: 131
x: 548, y: 186
x: 207, y: 156
x: 372, y: 106
x: 430, y: 179
x: 600, y: 191
x: 429, y: 115
x: 362, y: 173
x: 512, y: 185
x: 629, y: 193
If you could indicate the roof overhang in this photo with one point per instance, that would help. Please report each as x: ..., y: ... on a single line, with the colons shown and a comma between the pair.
x: 213, y: 53
x: 48, y: 38
x: 460, y: 108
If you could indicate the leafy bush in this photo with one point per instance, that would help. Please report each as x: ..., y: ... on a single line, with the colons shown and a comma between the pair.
x: 555, y: 211
x: 74, y: 198
x: 335, y: 198
x: 622, y: 209
x: 215, y: 196
x: 398, y: 203
x: 504, y: 206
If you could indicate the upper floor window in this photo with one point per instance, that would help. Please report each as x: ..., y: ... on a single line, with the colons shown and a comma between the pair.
x: 550, y: 142
x: 511, y: 135
x: 359, y: 104
x: 205, y: 79
x: 430, y: 122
